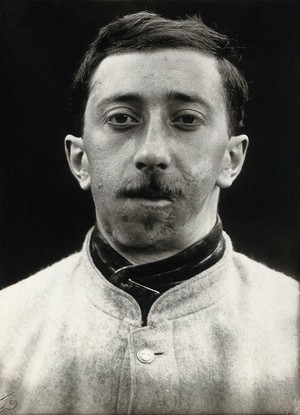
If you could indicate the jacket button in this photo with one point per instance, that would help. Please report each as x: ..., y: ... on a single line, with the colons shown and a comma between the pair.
x: 145, y: 356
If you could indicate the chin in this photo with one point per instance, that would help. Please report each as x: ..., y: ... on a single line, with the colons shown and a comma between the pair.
x: 141, y: 235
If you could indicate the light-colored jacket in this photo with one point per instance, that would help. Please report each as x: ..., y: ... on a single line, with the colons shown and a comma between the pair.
x: 225, y: 341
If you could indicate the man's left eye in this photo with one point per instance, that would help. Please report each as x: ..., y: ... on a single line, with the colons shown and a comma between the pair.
x: 187, y: 120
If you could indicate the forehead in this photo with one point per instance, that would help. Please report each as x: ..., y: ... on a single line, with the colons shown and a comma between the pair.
x: 155, y: 75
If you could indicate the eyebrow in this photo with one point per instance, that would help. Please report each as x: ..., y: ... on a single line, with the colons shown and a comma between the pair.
x: 138, y: 99
x: 190, y: 98
x: 128, y: 97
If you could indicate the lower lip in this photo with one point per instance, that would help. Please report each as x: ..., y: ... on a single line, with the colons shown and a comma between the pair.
x: 151, y: 203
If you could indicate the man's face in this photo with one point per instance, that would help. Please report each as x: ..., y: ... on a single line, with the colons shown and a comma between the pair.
x: 155, y: 140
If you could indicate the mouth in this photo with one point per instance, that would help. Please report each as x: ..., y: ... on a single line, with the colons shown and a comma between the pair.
x: 149, y: 194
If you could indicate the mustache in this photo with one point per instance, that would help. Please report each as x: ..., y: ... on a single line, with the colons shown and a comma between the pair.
x: 150, y: 185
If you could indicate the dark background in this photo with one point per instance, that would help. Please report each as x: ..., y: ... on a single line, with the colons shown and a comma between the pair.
x: 44, y: 215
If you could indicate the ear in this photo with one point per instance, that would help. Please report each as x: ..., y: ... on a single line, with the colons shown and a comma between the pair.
x: 233, y: 160
x: 78, y: 161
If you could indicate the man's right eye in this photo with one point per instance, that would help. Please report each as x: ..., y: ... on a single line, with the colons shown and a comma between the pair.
x: 122, y: 120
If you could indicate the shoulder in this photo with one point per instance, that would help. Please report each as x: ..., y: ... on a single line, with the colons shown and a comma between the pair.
x: 268, y: 290
x: 258, y: 275
x: 261, y: 274
x: 31, y: 290
x: 31, y: 305
x: 34, y: 298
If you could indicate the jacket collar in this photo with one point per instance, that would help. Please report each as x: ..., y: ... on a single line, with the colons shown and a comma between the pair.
x: 148, y: 281
x: 192, y: 295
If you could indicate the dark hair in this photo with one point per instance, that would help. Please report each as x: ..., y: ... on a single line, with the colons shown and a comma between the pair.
x: 149, y: 31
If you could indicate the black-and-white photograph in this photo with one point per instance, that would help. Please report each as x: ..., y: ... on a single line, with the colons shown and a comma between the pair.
x: 149, y: 207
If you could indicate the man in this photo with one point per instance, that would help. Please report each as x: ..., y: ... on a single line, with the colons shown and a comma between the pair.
x: 157, y: 313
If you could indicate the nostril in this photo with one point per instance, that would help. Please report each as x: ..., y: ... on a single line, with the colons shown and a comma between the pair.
x: 151, y: 160
x: 140, y: 165
x: 162, y: 166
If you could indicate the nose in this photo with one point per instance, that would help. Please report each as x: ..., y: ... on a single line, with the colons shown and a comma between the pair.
x: 153, y: 151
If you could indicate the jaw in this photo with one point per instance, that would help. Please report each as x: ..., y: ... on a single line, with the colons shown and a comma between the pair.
x: 150, y: 234
x: 141, y: 229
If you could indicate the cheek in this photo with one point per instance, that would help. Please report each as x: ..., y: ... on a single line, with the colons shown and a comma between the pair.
x: 202, y: 183
x: 109, y: 155
x: 201, y: 174
x: 103, y: 166
x: 202, y: 170
x: 104, y: 179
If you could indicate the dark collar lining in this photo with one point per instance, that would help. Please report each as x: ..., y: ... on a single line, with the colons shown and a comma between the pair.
x: 147, y: 282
